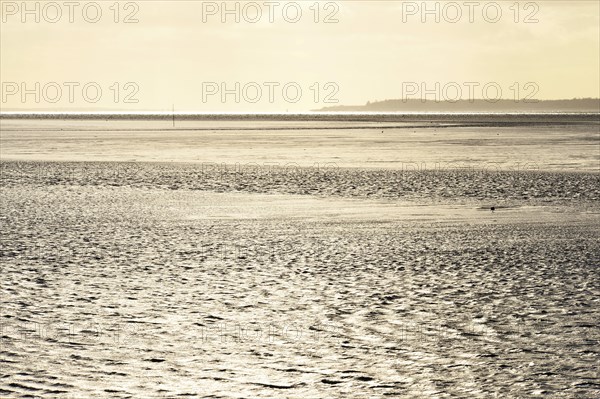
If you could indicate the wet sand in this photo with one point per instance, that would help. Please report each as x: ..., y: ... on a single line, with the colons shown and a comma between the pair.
x: 190, y: 279
x: 512, y: 145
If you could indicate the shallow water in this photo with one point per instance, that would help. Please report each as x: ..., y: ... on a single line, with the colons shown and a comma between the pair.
x: 404, y: 142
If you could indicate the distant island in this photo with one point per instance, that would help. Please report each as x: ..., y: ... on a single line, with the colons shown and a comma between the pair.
x: 417, y: 105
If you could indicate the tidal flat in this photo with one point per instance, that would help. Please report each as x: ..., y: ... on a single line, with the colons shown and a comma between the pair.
x: 184, y: 267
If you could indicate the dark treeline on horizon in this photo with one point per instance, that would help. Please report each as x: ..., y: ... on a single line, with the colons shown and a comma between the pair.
x: 477, y: 105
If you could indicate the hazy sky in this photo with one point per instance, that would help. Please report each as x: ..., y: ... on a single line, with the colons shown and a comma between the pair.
x: 182, y: 53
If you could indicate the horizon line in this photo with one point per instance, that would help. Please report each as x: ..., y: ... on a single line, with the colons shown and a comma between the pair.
x: 250, y: 113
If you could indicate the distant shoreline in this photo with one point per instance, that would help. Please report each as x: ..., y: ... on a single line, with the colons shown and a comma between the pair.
x: 340, y: 116
x: 474, y: 106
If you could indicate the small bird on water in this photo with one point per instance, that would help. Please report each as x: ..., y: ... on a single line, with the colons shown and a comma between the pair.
x: 492, y: 209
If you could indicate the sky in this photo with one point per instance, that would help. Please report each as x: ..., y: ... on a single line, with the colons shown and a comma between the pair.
x: 283, y: 56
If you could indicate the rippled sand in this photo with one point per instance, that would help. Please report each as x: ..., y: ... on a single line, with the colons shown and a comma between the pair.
x: 150, y: 280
